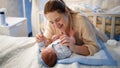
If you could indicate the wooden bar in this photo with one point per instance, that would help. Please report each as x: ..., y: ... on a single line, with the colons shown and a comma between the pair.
x: 103, y: 23
x: 112, y: 28
x: 94, y: 20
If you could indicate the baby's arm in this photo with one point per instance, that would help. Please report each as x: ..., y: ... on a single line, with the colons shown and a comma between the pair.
x: 55, y: 37
x: 42, y: 40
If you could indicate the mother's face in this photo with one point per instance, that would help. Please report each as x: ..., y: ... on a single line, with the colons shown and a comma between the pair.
x: 58, y: 20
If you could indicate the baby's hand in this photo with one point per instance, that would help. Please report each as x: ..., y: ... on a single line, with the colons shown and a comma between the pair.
x: 55, y: 37
x: 40, y: 38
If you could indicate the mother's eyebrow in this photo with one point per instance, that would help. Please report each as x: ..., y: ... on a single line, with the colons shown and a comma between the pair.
x: 54, y: 18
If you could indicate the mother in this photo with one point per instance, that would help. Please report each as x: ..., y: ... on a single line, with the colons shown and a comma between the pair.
x: 72, y: 26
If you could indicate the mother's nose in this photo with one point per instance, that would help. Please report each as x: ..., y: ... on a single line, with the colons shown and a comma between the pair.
x: 56, y: 24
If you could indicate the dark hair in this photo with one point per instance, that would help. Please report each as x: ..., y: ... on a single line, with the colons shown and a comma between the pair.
x: 49, y: 58
x: 55, y: 5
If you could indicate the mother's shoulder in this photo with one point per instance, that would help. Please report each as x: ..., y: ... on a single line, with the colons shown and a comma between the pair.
x: 78, y: 16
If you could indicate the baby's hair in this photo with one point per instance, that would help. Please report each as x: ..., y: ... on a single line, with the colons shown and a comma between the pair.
x: 49, y: 58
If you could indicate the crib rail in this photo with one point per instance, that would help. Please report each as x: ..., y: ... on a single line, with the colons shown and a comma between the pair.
x: 104, y: 15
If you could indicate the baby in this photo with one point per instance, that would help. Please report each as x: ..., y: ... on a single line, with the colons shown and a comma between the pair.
x: 52, y: 52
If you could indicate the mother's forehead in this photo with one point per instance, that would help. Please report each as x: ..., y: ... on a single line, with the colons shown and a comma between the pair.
x: 53, y: 14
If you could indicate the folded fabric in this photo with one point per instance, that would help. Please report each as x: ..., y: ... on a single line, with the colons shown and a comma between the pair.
x: 103, y: 57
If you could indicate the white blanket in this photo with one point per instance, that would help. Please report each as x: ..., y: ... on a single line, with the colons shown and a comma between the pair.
x: 17, y: 52
x: 21, y: 52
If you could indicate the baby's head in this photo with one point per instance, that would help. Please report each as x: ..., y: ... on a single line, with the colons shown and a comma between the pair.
x: 49, y: 57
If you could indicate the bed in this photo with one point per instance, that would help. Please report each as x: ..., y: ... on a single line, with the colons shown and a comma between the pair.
x: 21, y: 52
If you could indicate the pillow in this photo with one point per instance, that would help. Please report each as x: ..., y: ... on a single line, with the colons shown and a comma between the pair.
x: 97, y: 3
x: 115, y: 10
x: 88, y: 5
x: 109, y: 4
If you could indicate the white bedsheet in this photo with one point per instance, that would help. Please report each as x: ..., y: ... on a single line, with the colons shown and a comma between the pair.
x: 21, y: 52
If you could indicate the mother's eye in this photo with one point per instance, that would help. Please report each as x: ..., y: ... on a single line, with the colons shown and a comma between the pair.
x: 57, y: 20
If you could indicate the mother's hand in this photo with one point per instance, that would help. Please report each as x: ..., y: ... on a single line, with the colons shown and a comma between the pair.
x: 67, y: 41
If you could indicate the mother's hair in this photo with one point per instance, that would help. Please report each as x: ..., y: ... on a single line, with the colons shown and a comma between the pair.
x: 55, y: 5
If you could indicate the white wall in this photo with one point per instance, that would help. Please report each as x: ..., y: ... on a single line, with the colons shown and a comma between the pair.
x: 13, y: 7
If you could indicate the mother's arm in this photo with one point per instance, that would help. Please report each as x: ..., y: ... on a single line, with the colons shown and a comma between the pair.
x: 78, y: 49
x: 88, y: 36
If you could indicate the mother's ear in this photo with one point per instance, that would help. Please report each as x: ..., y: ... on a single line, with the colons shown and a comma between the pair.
x: 67, y: 11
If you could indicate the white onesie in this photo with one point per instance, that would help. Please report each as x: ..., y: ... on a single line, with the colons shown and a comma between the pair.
x: 61, y: 51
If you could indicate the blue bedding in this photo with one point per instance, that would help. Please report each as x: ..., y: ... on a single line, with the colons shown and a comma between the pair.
x: 103, y: 57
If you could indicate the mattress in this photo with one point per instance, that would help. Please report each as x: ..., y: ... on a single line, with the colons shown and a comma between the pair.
x: 21, y: 52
